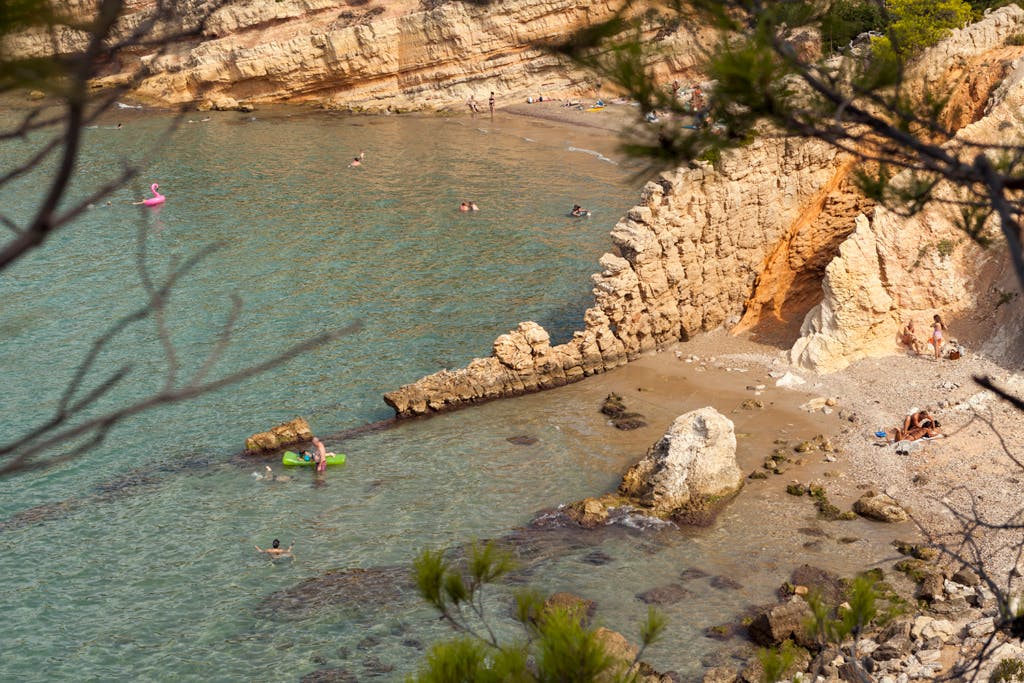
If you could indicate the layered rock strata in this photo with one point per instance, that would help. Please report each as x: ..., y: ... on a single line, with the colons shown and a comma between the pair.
x: 686, y: 259
x: 366, y: 55
x: 285, y: 434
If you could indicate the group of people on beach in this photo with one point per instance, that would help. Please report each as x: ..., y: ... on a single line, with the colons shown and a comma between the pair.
x: 909, y: 338
x: 474, y: 108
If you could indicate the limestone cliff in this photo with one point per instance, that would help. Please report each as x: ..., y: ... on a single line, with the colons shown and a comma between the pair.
x: 752, y: 237
x: 366, y: 55
x: 894, y: 268
x: 686, y: 260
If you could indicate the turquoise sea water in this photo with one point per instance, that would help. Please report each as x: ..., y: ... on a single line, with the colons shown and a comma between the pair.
x: 136, y: 562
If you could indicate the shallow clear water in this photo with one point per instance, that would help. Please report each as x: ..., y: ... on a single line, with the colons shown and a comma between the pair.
x: 137, y: 561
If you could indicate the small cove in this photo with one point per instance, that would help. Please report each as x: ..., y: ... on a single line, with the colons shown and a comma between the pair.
x: 146, y: 545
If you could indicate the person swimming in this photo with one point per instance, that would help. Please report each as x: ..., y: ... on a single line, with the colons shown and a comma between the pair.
x: 578, y: 211
x: 275, y: 549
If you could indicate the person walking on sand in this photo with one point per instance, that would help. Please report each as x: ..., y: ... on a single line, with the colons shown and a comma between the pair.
x: 938, y: 327
x: 275, y: 549
x: 490, y: 103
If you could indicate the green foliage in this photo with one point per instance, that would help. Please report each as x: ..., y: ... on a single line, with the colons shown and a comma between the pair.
x: 846, y: 19
x: 712, y: 155
x: 777, y: 660
x: 557, y: 645
x: 1015, y: 39
x: 834, y: 624
x: 1005, y: 297
x: 945, y: 248
x: 1008, y: 671
x: 568, y: 652
x: 917, y: 24
x: 979, y: 6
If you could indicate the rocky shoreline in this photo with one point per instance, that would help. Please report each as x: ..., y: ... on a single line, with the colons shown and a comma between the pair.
x: 954, y: 615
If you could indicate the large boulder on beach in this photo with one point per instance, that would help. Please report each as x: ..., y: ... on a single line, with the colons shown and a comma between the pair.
x: 285, y: 434
x: 694, y: 460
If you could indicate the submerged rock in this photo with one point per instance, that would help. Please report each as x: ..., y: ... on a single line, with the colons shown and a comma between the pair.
x: 361, y: 588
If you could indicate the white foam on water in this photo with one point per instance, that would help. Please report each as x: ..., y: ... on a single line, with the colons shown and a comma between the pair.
x: 592, y: 153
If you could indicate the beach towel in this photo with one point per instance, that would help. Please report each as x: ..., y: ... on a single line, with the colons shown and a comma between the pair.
x: 905, y: 447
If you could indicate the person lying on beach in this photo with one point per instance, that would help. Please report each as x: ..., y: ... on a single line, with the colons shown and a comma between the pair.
x: 915, y: 433
x: 922, y: 418
x: 275, y: 549
x: 918, y: 425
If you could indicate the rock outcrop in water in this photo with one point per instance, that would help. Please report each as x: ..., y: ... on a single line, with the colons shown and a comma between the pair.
x: 684, y: 476
x: 285, y: 434
x: 687, y: 259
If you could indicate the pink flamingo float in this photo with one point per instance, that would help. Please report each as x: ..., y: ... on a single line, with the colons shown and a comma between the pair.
x: 156, y: 199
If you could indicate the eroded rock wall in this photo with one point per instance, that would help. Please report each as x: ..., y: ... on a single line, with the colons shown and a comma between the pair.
x: 685, y: 261
x: 895, y: 268
x: 368, y: 55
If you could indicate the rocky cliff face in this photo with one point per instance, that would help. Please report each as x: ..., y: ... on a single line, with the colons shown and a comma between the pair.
x: 752, y: 238
x: 686, y: 260
x: 368, y: 55
x: 893, y: 268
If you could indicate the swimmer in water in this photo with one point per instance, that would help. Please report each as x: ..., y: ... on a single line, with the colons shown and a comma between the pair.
x: 275, y: 549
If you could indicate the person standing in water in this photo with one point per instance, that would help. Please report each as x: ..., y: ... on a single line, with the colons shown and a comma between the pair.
x: 490, y: 103
x: 319, y: 455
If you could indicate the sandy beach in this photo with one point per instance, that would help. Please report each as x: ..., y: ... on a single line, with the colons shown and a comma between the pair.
x: 947, y: 484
